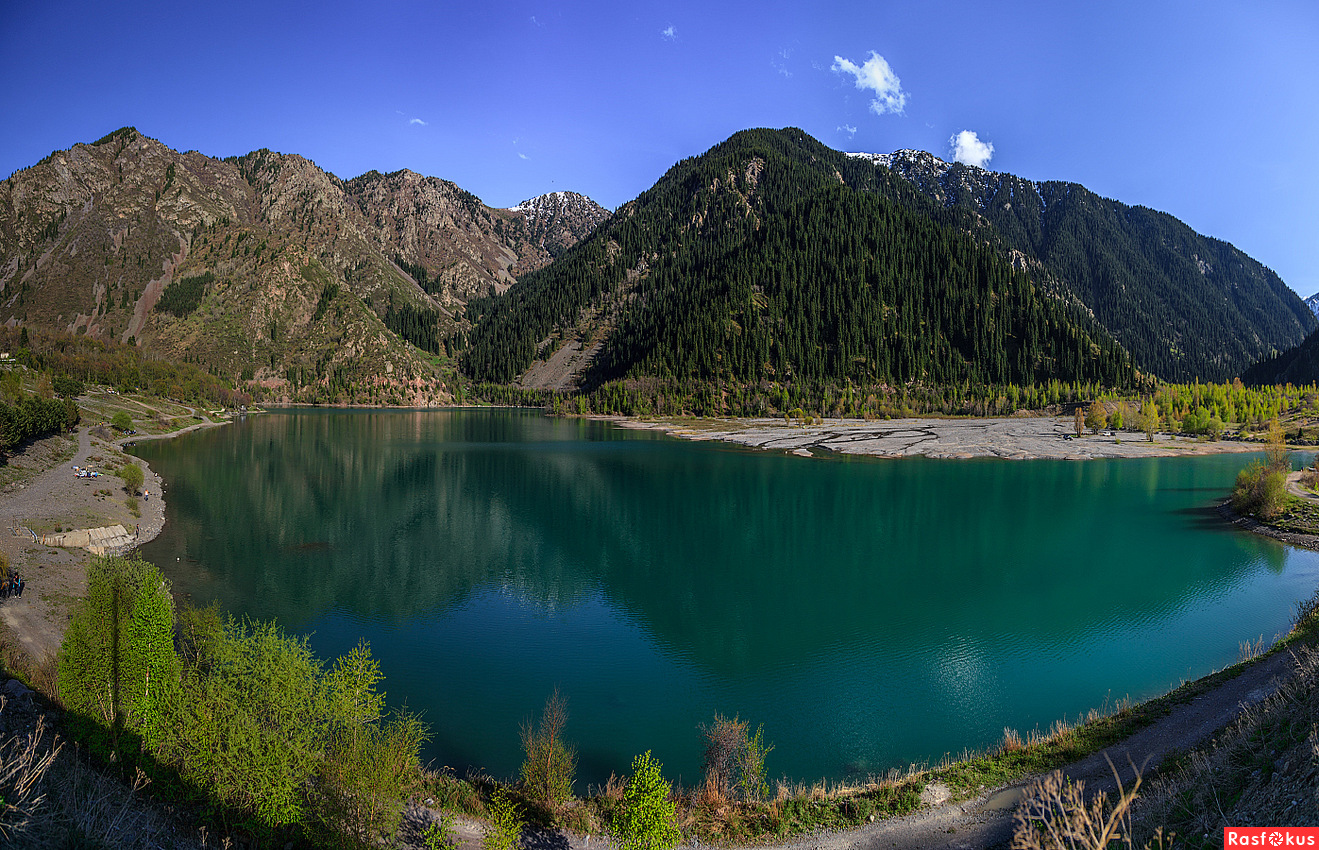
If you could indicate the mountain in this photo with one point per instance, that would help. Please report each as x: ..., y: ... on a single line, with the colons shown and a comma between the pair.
x: 263, y: 268
x: 1186, y: 306
x: 1298, y: 365
x: 559, y: 220
x: 771, y: 258
x: 1313, y: 303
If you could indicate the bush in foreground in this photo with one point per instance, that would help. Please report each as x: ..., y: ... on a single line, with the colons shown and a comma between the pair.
x: 117, y: 665
x: 239, y: 711
x: 551, y: 763
x: 647, y: 819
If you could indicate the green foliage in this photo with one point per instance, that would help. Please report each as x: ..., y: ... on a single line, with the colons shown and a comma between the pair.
x: 122, y: 420
x: 419, y: 326
x: 1277, y: 457
x: 1260, y: 490
x: 184, y: 295
x: 1148, y: 420
x: 133, y: 476
x: 367, y: 773
x: 646, y: 820
x: 1096, y: 417
x: 66, y: 386
x: 550, y: 763
x: 117, y: 663
x: 123, y: 366
x: 441, y: 834
x: 123, y: 133
x: 329, y: 292
x: 32, y: 417
x: 249, y: 720
x: 503, y: 829
x: 260, y: 723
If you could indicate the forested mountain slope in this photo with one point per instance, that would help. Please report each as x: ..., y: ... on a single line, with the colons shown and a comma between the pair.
x: 1297, y: 365
x: 773, y: 258
x: 1185, y: 305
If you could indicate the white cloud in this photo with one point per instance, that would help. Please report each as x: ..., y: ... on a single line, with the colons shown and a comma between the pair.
x: 670, y: 32
x: 848, y: 129
x: 876, y: 76
x: 521, y: 155
x: 781, y: 62
x: 967, y: 148
x: 417, y: 121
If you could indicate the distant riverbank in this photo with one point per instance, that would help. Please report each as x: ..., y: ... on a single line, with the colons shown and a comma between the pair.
x: 1017, y: 438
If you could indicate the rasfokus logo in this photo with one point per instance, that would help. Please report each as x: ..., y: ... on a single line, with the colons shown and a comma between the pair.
x: 1271, y: 836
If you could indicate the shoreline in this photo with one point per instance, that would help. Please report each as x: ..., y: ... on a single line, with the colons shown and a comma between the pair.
x: 52, y: 499
x: 1012, y: 438
x: 149, y: 530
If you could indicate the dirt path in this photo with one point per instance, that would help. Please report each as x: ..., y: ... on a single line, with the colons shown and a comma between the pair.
x: 55, y: 499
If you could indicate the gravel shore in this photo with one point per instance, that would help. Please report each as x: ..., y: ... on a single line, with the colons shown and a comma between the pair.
x: 1017, y: 438
x: 46, y: 497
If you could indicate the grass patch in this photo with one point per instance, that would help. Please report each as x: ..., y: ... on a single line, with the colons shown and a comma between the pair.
x: 1297, y: 516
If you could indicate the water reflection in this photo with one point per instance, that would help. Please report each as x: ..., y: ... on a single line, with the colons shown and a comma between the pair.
x: 518, y: 552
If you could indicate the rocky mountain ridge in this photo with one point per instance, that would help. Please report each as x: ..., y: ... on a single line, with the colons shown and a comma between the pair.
x: 559, y: 220
x: 1313, y: 303
x: 272, y: 271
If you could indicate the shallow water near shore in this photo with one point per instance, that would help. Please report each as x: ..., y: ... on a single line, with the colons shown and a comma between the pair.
x: 870, y: 613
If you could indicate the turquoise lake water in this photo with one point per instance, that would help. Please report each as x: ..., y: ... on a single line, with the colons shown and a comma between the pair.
x: 870, y: 613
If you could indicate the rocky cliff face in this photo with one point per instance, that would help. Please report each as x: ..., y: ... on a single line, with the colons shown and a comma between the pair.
x: 559, y: 220
x: 272, y: 271
x: 483, y: 249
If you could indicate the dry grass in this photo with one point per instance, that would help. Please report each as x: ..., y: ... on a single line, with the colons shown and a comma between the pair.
x: 1250, y: 650
x: 51, y: 797
x: 1262, y: 770
x: 1057, y: 814
x: 24, y: 761
x: 38, y: 674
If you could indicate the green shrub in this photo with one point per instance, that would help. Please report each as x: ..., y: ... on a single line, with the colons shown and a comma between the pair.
x: 550, y: 764
x: 646, y: 820
x: 248, y: 722
x: 441, y: 834
x: 133, y: 477
x: 117, y: 663
x: 66, y: 386
x: 122, y: 420
x: 504, y: 829
x: 1260, y: 491
x: 369, y: 770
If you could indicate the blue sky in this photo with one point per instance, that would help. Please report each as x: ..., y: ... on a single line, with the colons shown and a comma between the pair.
x: 1206, y: 110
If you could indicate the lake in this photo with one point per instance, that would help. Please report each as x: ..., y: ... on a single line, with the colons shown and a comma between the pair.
x: 870, y: 613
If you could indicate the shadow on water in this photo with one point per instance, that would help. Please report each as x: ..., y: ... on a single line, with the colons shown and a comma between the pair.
x: 1206, y: 518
